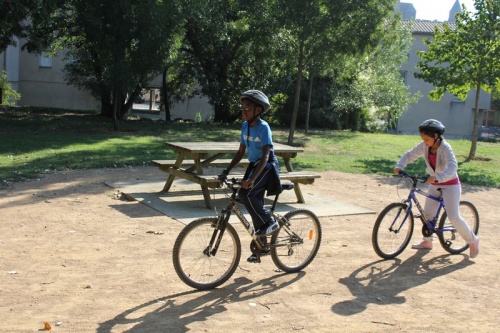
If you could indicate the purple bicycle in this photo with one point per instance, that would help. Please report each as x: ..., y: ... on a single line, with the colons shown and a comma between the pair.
x: 394, y: 225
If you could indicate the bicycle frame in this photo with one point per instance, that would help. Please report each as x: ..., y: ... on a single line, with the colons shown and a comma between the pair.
x: 413, y: 200
x: 224, y: 216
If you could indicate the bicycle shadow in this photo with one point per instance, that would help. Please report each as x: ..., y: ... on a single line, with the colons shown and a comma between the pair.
x: 381, y: 281
x: 172, y: 314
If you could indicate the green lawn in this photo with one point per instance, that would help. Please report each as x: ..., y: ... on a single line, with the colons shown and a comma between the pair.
x: 41, y: 141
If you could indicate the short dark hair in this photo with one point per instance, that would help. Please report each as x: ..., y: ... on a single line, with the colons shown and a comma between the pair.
x: 430, y: 132
x: 252, y: 101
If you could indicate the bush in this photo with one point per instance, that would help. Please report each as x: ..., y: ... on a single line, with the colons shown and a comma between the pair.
x: 9, y: 95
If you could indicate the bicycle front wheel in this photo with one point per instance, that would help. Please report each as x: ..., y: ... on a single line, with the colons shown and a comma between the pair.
x: 195, y: 261
x: 392, y: 230
x: 295, y: 244
x: 448, y: 236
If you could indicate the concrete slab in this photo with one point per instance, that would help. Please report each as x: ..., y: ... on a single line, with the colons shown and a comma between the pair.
x: 185, y: 203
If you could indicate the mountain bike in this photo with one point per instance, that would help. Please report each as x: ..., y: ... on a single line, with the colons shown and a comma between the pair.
x: 394, y: 225
x: 207, y: 251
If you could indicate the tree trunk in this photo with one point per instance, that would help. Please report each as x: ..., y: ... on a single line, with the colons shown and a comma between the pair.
x: 116, y: 126
x: 124, y: 107
x: 296, y: 98
x: 164, y: 95
x: 309, y: 98
x: 106, y: 110
x: 472, y: 153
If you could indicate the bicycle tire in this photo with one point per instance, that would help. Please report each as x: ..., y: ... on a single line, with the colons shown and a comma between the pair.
x: 294, y: 246
x: 194, y: 266
x: 387, y: 243
x: 451, y: 241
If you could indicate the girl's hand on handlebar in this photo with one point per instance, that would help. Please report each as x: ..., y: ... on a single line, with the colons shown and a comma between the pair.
x: 432, y: 180
x: 397, y: 171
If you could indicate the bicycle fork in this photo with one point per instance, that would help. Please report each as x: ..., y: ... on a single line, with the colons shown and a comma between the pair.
x: 219, y: 229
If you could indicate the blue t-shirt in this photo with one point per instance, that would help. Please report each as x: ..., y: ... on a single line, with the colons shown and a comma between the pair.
x: 260, y: 135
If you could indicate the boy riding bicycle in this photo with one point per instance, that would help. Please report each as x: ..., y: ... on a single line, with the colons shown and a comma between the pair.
x: 263, y: 171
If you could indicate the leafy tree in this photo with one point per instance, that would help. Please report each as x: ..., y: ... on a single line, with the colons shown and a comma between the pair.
x: 19, y: 17
x: 230, y: 46
x: 367, y: 92
x: 465, y: 58
x: 320, y: 30
x: 381, y: 88
x: 115, y: 48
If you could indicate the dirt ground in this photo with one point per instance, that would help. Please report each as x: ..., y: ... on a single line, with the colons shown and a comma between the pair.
x: 74, y: 256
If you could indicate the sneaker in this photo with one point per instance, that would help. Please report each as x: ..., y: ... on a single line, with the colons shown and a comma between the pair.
x: 474, y: 248
x: 268, y: 228
x: 253, y: 257
x: 423, y: 245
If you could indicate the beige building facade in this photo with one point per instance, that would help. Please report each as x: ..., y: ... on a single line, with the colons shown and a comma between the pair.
x: 456, y: 115
x: 40, y: 81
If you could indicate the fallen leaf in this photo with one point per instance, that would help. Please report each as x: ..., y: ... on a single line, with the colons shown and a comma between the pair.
x: 154, y: 232
x: 46, y: 326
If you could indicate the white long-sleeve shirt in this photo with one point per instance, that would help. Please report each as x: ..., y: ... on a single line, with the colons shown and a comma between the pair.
x: 446, y: 163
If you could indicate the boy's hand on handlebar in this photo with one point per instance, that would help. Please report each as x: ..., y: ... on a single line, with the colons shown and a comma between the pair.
x: 247, y: 183
x: 397, y: 171
x: 223, y: 175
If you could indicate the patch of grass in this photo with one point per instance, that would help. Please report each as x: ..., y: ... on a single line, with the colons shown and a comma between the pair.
x: 36, y: 141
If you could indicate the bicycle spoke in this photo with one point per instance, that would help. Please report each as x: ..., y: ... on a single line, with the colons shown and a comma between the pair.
x: 392, y: 232
x: 296, y: 245
x: 193, y: 259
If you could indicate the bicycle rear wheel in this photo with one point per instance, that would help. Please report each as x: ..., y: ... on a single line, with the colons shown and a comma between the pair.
x: 448, y: 236
x: 392, y: 232
x: 193, y: 257
x: 295, y: 244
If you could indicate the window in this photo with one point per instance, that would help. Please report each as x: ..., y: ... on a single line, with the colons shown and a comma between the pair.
x: 45, y: 60
x: 491, y: 118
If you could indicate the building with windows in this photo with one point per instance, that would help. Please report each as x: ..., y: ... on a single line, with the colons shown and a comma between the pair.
x: 457, y: 115
x: 40, y: 81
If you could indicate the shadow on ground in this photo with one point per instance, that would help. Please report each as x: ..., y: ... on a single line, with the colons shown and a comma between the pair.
x: 382, y: 281
x: 173, y: 313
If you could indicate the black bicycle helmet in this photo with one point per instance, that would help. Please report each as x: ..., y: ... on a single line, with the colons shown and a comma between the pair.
x: 433, y: 125
x: 258, y: 97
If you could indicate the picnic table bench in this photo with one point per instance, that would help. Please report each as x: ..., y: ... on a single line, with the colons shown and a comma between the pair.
x: 204, y: 154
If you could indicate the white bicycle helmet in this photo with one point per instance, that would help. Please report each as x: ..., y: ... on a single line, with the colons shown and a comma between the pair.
x: 258, y: 97
x: 433, y: 125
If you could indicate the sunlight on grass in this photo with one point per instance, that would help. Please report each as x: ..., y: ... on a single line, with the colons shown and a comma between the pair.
x: 33, y: 144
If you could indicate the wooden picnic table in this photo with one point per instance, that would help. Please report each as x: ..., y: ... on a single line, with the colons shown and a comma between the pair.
x: 208, y: 153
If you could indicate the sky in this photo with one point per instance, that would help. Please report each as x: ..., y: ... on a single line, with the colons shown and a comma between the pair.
x: 437, y: 9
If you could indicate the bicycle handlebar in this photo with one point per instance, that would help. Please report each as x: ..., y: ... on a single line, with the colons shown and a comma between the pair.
x: 414, y: 179
x: 234, y: 184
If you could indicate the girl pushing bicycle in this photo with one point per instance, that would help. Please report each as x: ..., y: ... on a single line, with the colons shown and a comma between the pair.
x: 441, y: 165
